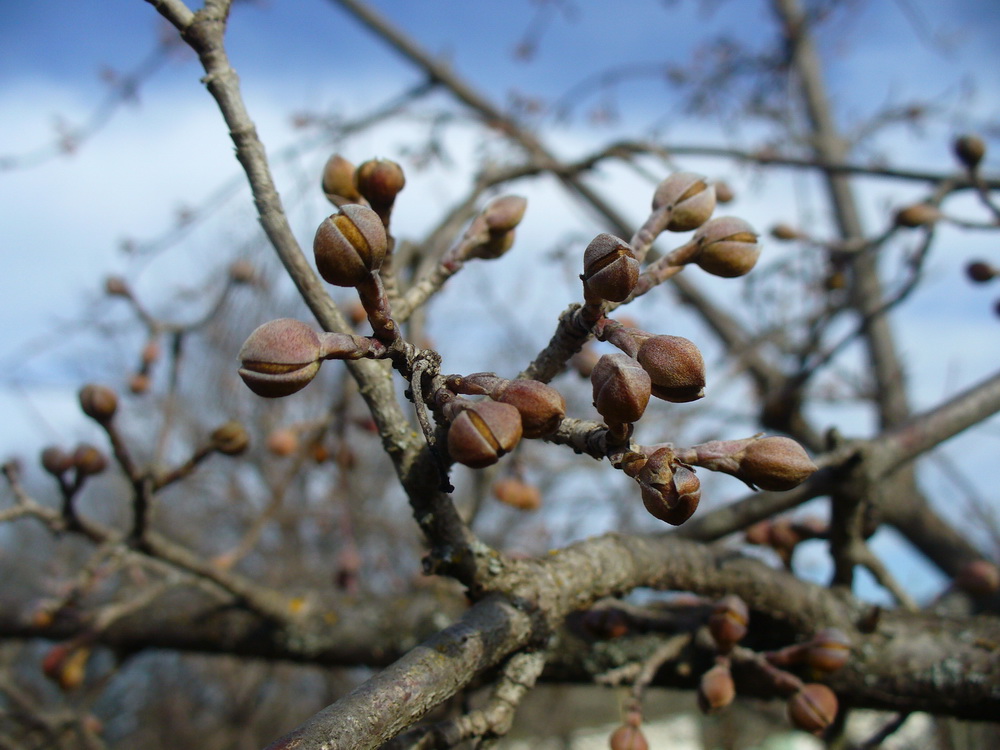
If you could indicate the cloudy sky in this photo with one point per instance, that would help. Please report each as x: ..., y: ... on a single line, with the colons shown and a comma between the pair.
x: 63, y: 218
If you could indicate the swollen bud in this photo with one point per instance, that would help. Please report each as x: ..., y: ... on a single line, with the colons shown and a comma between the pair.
x: 517, y: 494
x: 917, y: 215
x: 56, y: 461
x: 727, y: 247
x: 98, y: 402
x: 230, y: 439
x: 813, y: 708
x: 628, y: 737
x: 610, y: 270
x: 728, y: 622
x: 379, y: 181
x: 621, y: 388
x: 970, y: 150
x: 675, y: 366
x: 350, y: 245
x: 828, y: 651
x: 716, y: 689
x: 670, y: 490
x: 541, y: 406
x: 770, y: 463
x: 88, y: 460
x: 481, y: 431
x: 689, y: 197
x: 338, y: 181
x: 280, y: 358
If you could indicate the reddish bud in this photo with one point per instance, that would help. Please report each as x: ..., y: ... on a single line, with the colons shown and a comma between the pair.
x: 610, y: 270
x: 917, y: 215
x: 350, y: 245
x: 621, y: 388
x: 230, y: 439
x: 675, y: 366
x: 139, y: 383
x: 280, y: 358
x: 628, y: 737
x: 828, y: 651
x: 379, y: 181
x: 670, y: 490
x: 283, y: 442
x: 813, y: 708
x: 517, y: 494
x: 716, y: 689
x: 728, y: 622
x: 98, y: 402
x: 482, y: 431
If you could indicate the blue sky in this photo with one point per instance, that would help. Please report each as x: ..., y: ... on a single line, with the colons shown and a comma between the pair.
x: 61, y: 222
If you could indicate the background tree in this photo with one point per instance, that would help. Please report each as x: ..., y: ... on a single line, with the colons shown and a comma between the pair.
x: 301, y: 550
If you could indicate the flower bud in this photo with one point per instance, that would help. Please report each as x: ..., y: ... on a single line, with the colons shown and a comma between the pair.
x: 981, y: 272
x: 690, y: 199
x: 517, y: 494
x: 56, y: 461
x: 628, y: 737
x: 828, y: 651
x: 610, y: 270
x: 776, y: 464
x: 283, y: 442
x: 813, y: 708
x: 716, y: 689
x: 917, y: 215
x: 139, y: 383
x: 379, y: 181
x: 670, y: 490
x: 280, y: 358
x: 675, y: 366
x: 230, y: 439
x: 979, y: 578
x: 482, y: 431
x: 541, y: 406
x: 98, y: 402
x: 621, y: 388
x: 338, y: 180
x: 504, y: 213
x: 88, y: 460
x: 242, y: 271
x: 785, y: 232
x: 728, y: 622
x: 970, y: 150
x: 728, y: 247
x: 350, y: 245
x: 116, y: 286
x: 723, y: 192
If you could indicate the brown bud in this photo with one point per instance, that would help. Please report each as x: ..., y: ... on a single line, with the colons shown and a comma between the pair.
x: 338, y: 180
x: 785, y: 232
x: 628, y: 737
x: 139, y: 383
x: 280, y: 358
x: 970, y: 150
x: 379, y: 181
x: 610, y: 270
x: 813, y: 708
x: 541, y: 406
x: 56, y: 461
x: 283, y: 442
x: 981, y: 272
x: 776, y: 464
x: 98, y: 402
x: 350, y: 245
x: 728, y: 247
x: 517, y: 494
x: 828, y: 651
x: 605, y: 623
x: 728, y: 622
x: 482, y: 431
x: 917, y: 215
x: 758, y: 533
x: 783, y: 536
x: 723, y: 192
x: 675, y: 366
x: 242, y: 271
x: 690, y: 199
x: 150, y: 352
x: 979, y: 578
x: 230, y: 439
x: 621, y: 388
x: 116, y: 286
x: 716, y: 689
x: 88, y: 460
x: 670, y: 490
x: 504, y: 213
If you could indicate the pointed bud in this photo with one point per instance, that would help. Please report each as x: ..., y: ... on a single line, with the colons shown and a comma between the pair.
x: 481, y: 431
x: 350, y: 245
x: 610, y: 270
x: 716, y: 689
x: 728, y: 622
x: 970, y: 150
x: 230, y: 439
x: 689, y: 197
x: 728, y: 247
x: 621, y: 388
x: 813, y: 708
x: 675, y: 366
x: 770, y: 463
x: 338, y: 181
x: 280, y: 358
x: 670, y: 490
x: 98, y: 402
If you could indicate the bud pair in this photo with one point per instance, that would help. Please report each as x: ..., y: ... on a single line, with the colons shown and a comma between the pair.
x: 670, y: 490
x: 675, y: 366
x: 481, y: 432
x: 541, y: 406
x: 85, y: 458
